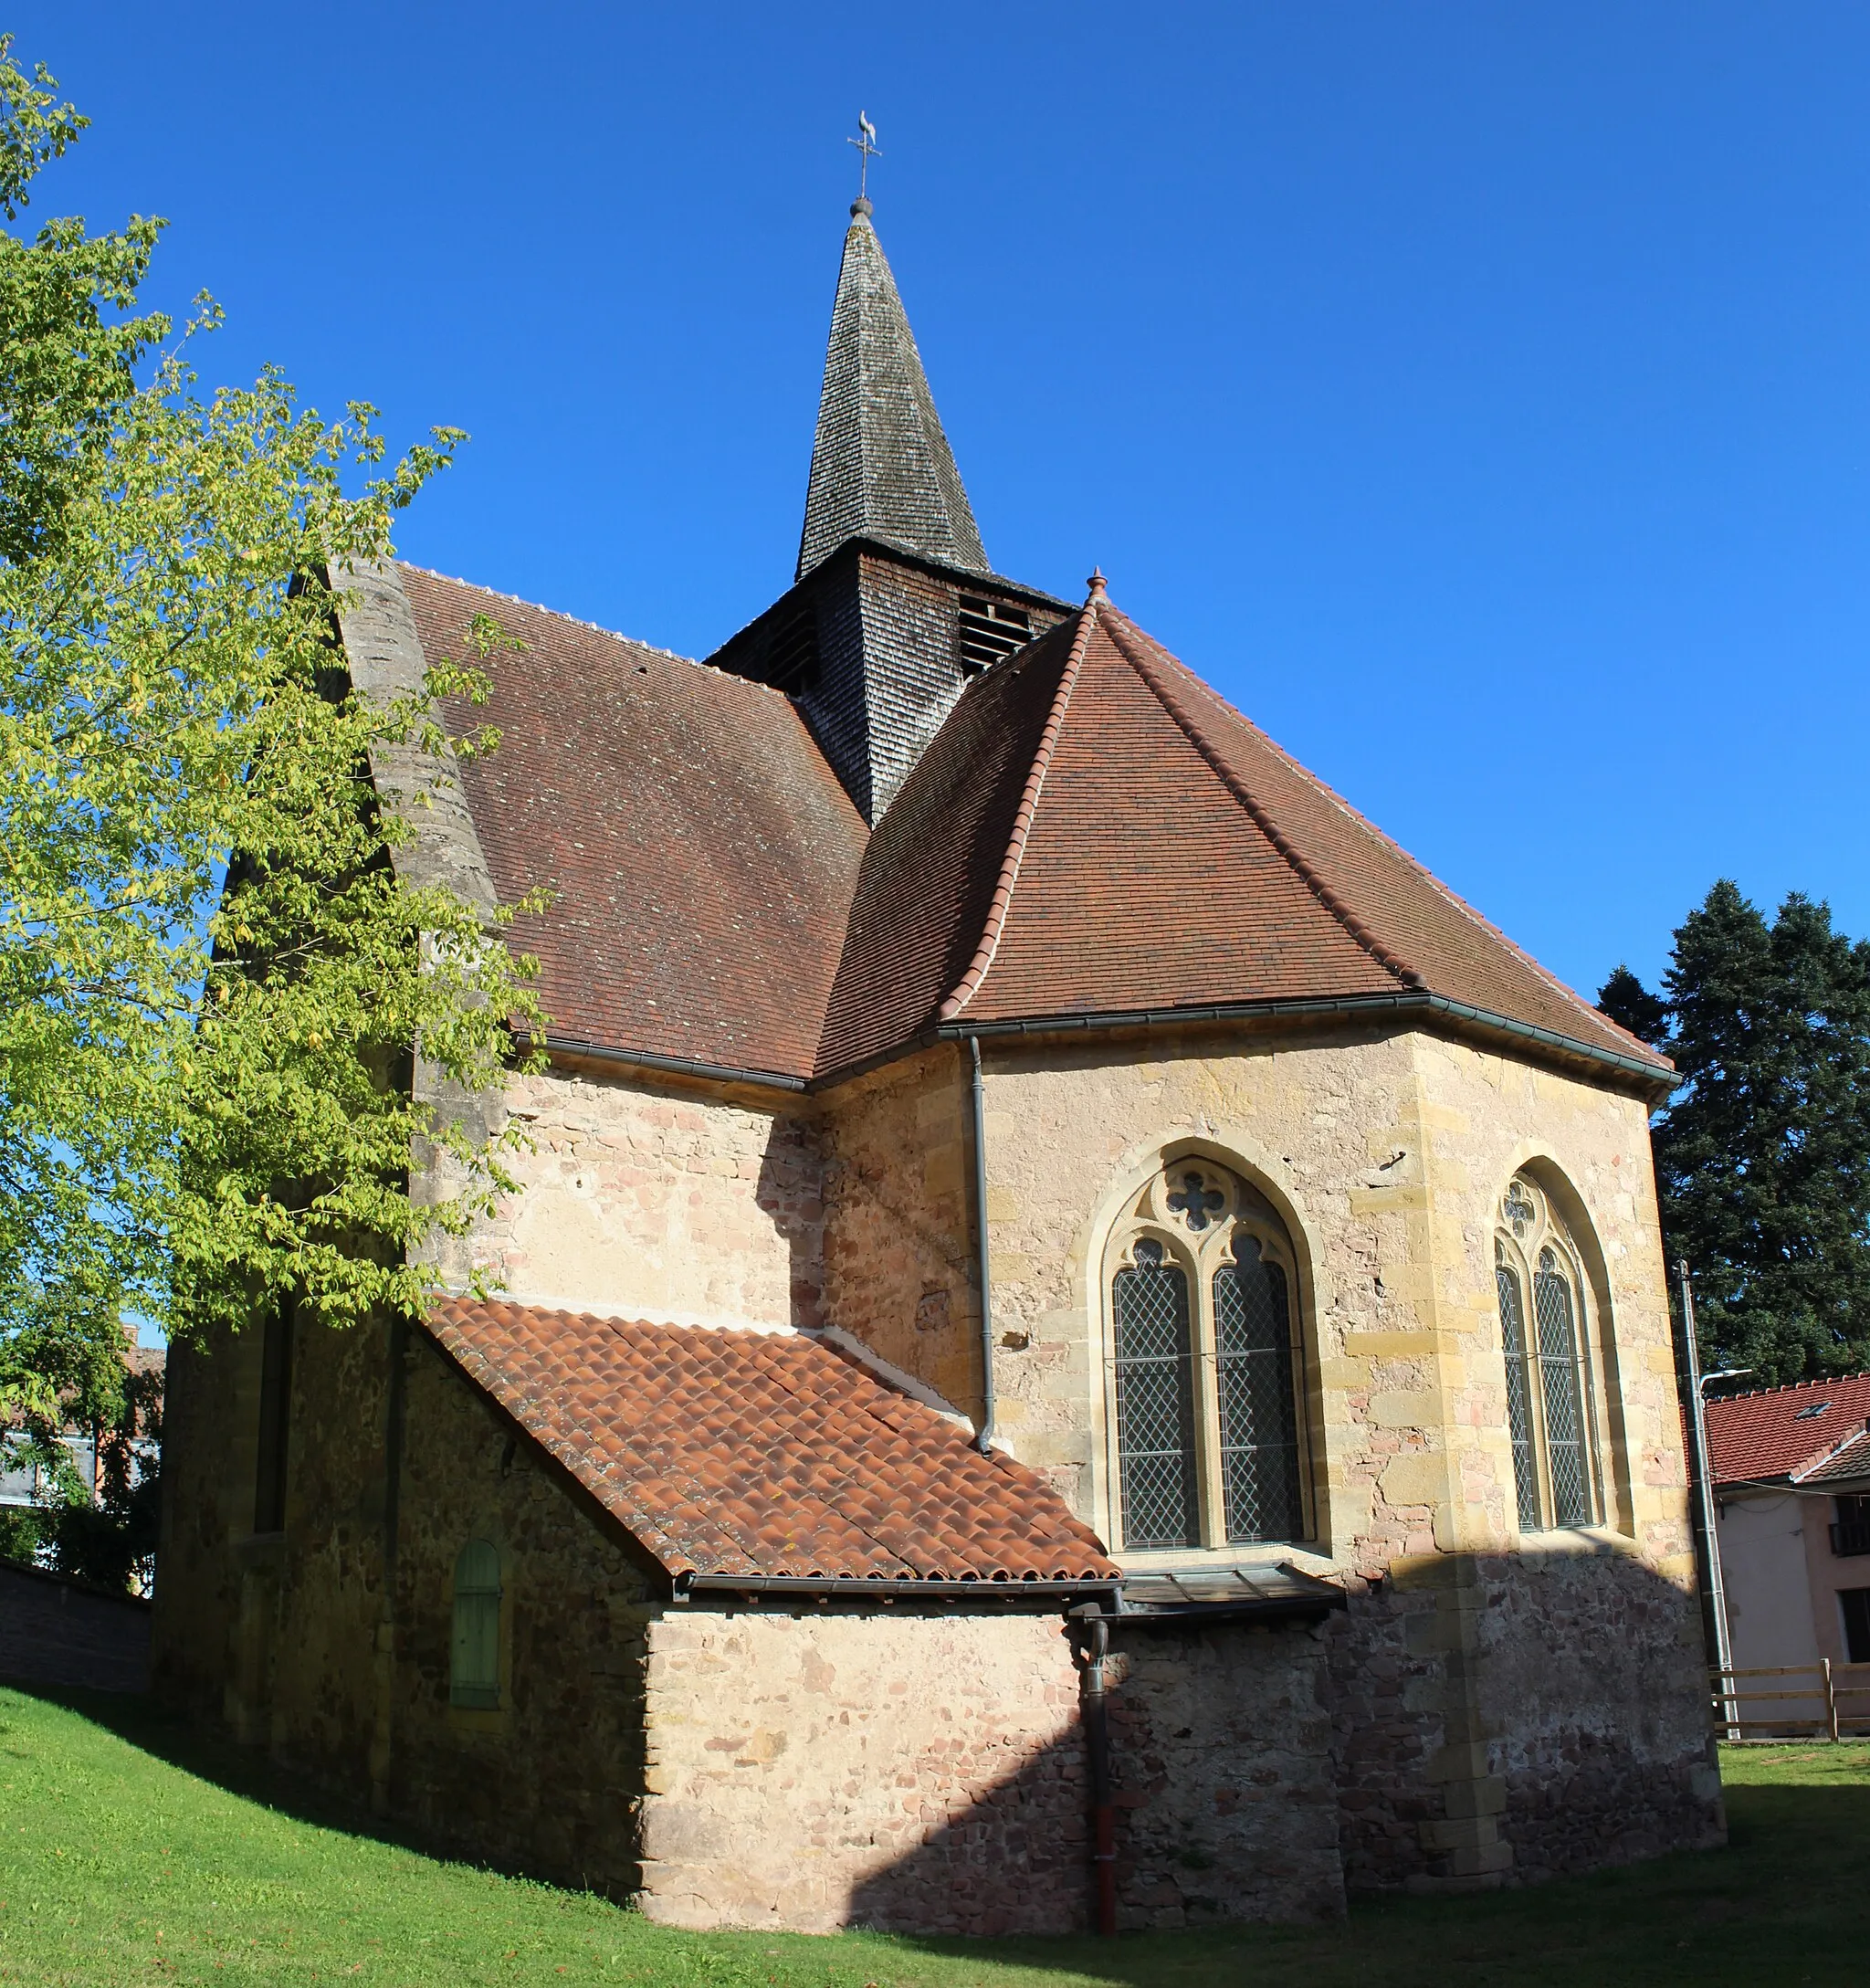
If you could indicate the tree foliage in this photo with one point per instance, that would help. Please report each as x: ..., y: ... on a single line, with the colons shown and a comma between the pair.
x: 1763, y: 1156
x: 212, y: 978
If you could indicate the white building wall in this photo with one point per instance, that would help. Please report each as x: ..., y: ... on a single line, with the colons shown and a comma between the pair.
x: 1762, y: 1559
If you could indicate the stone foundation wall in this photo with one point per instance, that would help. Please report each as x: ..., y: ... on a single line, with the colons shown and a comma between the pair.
x: 1590, y: 1677
x: 1220, y: 1763
x: 919, y: 1772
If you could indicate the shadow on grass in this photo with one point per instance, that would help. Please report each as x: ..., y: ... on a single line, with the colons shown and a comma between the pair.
x: 1785, y: 1904
x: 248, y: 1772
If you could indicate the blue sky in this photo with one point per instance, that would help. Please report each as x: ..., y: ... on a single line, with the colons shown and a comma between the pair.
x: 1479, y: 395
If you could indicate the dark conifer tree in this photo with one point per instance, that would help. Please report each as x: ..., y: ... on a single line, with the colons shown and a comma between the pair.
x: 1763, y: 1156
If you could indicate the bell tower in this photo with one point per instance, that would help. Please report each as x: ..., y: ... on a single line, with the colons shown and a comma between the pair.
x: 894, y: 604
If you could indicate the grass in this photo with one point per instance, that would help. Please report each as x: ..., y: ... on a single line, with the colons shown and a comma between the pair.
x: 131, y: 1851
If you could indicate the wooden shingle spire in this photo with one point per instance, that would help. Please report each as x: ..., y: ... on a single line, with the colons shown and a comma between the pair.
x: 881, y: 467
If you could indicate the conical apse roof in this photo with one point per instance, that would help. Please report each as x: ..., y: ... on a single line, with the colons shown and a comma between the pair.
x: 881, y: 467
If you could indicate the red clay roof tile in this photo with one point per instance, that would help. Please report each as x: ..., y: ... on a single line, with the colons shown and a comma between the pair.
x: 763, y: 1454
x: 1774, y: 1433
x: 702, y: 852
x: 1093, y: 829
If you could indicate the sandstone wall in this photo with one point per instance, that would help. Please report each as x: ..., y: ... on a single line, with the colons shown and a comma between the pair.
x: 1387, y: 1157
x: 898, y: 1247
x: 657, y: 1201
x: 293, y: 1643
x: 912, y: 1771
x: 549, y: 1782
x: 206, y: 1559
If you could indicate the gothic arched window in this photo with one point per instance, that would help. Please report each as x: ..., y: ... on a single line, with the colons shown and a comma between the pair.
x: 1543, y: 1337
x: 1203, y: 1365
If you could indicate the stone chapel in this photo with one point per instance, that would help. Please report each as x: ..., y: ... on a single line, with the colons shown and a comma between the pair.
x: 1083, y: 1343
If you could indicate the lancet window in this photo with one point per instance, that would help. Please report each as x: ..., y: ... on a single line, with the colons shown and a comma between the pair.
x: 1203, y: 1366
x: 473, y: 1657
x: 1545, y: 1338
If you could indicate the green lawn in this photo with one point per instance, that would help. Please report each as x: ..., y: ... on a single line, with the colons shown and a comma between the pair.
x: 131, y: 1851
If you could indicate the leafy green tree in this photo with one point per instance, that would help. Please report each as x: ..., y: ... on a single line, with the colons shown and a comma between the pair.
x: 1763, y: 1156
x: 213, y: 980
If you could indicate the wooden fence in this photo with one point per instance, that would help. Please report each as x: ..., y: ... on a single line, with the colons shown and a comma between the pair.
x: 1822, y: 1700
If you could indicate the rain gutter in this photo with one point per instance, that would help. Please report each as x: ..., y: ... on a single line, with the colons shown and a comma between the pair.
x: 1401, y: 1005
x: 861, y: 1588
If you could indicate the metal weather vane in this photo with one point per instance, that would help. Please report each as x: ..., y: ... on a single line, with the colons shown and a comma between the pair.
x: 868, y: 148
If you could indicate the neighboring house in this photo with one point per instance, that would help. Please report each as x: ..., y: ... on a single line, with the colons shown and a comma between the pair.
x: 25, y: 1481
x: 1032, y: 1193
x: 1792, y: 1479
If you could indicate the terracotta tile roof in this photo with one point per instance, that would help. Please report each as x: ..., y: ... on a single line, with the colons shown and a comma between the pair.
x: 1774, y: 1432
x: 763, y: 1454
x: 703, y: 852
x: 1849, y: 1459
x: 1094, y: 830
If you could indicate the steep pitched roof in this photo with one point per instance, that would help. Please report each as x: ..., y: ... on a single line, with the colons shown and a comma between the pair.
x: 1811, y: 1432
x: 881, y: 466
x: 764, y: 1454
x: 702, y: 852
x: 1094, y: 830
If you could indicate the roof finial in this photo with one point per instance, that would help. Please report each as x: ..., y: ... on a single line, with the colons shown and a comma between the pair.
x: 1099, y: 591
x: 868, y: 147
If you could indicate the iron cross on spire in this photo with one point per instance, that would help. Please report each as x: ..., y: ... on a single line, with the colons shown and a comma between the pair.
x: 868, y: 148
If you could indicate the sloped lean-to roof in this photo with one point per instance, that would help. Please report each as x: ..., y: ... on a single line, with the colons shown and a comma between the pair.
x: 765, y: 1455
x: 1094, y: 831
x: 1810, y: 1433
x: 701, y: 853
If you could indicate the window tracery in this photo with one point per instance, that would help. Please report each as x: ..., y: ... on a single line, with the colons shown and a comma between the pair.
x: 1203, y: 1365
x: 1545, y: 1350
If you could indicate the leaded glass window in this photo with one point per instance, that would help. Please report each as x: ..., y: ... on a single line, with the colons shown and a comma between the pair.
x: 1204, y: 1368
x: 1564, y: 1409
x: 474, y: 1666
x: 1518, y: 1392
x: 1155, y: 1400
x: 1546, y: 1360
x: 1259, y: 1421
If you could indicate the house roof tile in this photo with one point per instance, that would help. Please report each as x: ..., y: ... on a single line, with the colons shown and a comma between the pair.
x: 1092, y: 830
x: 1791, y: 1432
x: 764, y: 1454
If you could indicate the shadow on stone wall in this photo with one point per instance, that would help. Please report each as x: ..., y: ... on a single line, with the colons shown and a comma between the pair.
x: 1225, y: 1807
x: 1018, y: 1860
x: 1506, y: 1718
x: 791, y: 1190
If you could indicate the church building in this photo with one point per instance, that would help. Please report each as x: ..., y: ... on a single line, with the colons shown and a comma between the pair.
x: 1083, y: 1343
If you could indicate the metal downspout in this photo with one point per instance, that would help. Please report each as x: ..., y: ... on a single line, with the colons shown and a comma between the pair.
x: 1097, y: 1721
x: 1714, y: 1600
x: 983, y: 1442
